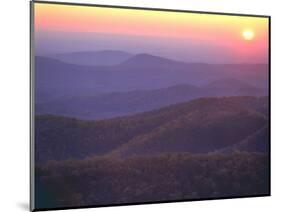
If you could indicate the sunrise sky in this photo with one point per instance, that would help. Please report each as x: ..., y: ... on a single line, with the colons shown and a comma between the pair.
x: 190, y: 37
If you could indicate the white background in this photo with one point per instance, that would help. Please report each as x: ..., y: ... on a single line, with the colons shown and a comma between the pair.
x: 14, y: 104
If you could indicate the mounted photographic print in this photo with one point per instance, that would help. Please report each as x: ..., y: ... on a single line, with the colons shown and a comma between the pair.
x: 136, y: 105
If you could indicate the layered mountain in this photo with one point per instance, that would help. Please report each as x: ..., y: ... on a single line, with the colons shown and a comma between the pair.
x: 56, y: 79
x: 139, y: 128
x: 232, y: 86
x: 199, y: 126
x: 94, y: 58
x: 115, y: 104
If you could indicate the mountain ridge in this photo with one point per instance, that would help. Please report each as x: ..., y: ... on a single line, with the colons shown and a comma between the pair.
x: 56, y: 79
x: 114, y: 104
x: 93, y: 58
x: 218, y: 118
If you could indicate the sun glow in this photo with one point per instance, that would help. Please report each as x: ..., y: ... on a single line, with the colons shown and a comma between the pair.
x: 248, y: 34
x: 73, y: 27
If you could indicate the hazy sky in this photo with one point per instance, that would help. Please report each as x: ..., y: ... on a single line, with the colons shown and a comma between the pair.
x: 184, y: 36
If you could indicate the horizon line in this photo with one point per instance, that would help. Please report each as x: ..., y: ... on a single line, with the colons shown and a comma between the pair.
x: 52, y: 56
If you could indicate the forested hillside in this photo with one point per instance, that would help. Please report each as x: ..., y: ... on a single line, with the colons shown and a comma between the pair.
x: 199, y: 126
x: 105, y: 180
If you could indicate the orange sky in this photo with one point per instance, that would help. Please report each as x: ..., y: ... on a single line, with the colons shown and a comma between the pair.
x: 223, y: 29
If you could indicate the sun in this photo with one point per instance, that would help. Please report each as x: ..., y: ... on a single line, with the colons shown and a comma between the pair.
x: 248, y: 34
